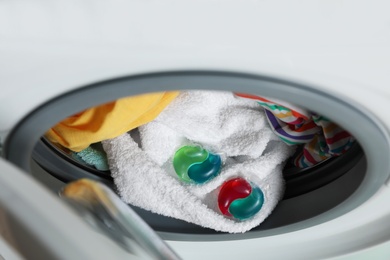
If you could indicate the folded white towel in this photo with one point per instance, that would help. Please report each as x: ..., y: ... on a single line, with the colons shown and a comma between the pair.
x: 234, y: 128
x: 218, y: 120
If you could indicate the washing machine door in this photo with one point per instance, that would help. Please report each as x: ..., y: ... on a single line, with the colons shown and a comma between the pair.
x: 35, y: 224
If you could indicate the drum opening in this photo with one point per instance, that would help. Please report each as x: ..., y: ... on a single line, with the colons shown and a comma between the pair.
x: 309, y: 192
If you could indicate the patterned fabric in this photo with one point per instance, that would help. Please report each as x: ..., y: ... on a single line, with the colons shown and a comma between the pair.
x: 320, y: 138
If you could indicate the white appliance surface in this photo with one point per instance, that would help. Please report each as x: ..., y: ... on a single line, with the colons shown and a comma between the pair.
x: 341, y: 47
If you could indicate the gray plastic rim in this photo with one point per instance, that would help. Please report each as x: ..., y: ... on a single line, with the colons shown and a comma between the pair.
x: 22, y: 139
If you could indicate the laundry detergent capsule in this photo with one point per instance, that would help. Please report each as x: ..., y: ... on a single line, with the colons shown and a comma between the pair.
x: 193, y: 164
x: 240, y: 199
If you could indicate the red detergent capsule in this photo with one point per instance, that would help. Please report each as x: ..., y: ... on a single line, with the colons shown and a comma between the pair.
x: 231, y: 190
x: 240, y: 199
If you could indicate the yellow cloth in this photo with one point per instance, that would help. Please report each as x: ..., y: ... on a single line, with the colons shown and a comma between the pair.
x: 107, y: 121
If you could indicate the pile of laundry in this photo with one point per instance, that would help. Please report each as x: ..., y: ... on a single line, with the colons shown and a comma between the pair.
x: 210, y: 158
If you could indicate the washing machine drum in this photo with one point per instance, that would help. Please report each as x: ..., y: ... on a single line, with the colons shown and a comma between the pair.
x: 335, y: 186
x: 351, y: 166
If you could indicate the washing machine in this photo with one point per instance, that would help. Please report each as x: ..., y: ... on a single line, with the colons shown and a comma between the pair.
x: 60, y: 57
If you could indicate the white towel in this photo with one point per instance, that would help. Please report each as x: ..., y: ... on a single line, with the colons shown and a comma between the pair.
x: 234, y: 128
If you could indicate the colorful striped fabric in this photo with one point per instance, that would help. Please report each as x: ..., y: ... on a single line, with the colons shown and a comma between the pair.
x: 319, y: 138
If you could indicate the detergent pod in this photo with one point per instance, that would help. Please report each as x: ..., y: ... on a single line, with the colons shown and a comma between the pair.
x: 240, y: 199
x: 194, y: 164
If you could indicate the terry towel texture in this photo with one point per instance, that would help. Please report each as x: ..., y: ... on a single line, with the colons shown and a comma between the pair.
x: 93, y: 155
x: 234, y: 128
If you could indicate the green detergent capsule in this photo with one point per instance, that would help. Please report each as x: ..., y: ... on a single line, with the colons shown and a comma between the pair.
x: 193, y: 164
